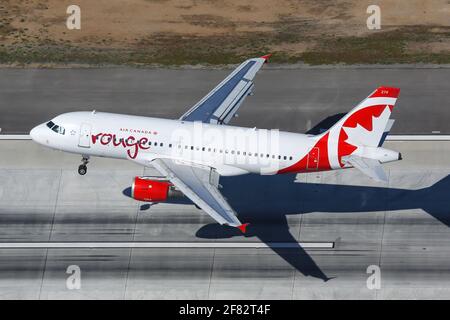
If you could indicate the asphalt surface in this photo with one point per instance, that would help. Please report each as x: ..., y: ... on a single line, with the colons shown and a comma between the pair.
x: 293, y: 100
x: 402, y: 227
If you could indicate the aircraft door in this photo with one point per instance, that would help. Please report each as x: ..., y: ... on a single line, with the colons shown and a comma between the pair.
x: 313, y: 159
x: 85, y: 135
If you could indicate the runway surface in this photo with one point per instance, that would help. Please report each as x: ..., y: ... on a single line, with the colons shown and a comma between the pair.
x: 293, y: 99
x: 402, y: 227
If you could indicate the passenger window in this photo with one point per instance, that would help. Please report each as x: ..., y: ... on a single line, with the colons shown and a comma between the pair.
x: 284, y: 157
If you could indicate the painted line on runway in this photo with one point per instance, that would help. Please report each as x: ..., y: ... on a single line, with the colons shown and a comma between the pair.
x: 407, y: 137
x: 175, y: 245
x: 15, y: 137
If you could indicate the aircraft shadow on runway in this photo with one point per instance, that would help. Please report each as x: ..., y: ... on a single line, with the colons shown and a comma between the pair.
x: 265, y: 201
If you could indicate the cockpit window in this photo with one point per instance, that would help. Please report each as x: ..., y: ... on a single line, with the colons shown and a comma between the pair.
x: 56, y: 128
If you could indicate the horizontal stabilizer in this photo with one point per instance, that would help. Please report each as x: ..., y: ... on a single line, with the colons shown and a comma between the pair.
x: 370, y: 167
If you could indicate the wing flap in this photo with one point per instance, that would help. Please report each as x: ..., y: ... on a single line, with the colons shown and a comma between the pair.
x: 199, y: 185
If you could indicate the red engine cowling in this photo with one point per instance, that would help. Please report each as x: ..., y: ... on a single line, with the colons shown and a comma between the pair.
x: 145, y: 189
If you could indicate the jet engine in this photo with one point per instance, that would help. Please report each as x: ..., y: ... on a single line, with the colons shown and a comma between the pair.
x: 153, y: 189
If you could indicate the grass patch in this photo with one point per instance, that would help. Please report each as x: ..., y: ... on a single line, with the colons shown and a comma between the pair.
x: 384, y: 47
x: 380, y: 47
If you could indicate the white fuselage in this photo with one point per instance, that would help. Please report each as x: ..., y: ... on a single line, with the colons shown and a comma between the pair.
x: 231, y: 150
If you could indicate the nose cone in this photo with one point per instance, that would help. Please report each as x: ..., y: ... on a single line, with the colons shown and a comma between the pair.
x: 38, y: 134
x: 33, y: 133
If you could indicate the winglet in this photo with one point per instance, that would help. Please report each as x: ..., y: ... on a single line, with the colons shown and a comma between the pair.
x: 243, y: 227
x: 266, y: 57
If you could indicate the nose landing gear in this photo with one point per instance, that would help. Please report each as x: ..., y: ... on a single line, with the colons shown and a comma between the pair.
x: 82, y: 169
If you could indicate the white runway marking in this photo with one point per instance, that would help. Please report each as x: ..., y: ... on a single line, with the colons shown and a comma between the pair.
x: 128, y: 245
x: 15, y: 137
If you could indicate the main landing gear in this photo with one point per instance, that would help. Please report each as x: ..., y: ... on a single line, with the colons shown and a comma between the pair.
x: 82, y: 169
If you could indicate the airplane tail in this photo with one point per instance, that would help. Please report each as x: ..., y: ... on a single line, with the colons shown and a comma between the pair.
x: 358, y: 134
x: 368, y: 123
x: 388, y: 128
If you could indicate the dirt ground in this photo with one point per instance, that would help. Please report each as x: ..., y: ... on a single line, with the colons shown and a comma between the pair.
x: 215, y: 31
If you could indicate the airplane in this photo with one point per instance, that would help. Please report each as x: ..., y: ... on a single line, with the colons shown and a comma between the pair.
x: 192, y: 153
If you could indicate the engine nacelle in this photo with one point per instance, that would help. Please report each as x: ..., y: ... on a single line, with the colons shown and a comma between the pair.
x: 153, y: 189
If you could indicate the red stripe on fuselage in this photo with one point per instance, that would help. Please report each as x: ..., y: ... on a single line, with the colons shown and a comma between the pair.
x: 323, y: 162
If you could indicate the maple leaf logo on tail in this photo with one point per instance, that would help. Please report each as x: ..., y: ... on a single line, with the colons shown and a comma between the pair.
x: 369, y: 131
x: 367, y: 123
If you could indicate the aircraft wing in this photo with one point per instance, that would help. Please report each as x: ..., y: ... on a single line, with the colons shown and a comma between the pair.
x: 370, y: 167
x: 200, y: 184
x: 220, y: 105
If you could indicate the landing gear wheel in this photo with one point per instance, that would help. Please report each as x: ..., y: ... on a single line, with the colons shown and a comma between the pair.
x: 82, y: 169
